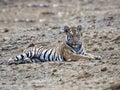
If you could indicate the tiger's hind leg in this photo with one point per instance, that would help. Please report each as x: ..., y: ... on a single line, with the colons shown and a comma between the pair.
x: 12, y: 61
x: 20, y: 59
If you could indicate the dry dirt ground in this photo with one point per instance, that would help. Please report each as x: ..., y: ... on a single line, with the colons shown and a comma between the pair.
x: 27, y: 22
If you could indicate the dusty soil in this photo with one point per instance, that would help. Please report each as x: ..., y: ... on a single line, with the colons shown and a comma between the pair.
x: 26, y: 22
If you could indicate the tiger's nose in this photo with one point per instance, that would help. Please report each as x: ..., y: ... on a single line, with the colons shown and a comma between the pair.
x: 75, y: 39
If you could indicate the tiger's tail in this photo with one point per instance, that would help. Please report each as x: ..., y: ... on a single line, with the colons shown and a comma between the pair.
x: 22, y: 58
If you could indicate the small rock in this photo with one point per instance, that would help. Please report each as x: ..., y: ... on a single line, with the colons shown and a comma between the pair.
x: 115, y: 86
x: 4, y: 30
x: 15, y: 68
x: 31, y: 45
x: 83, y: 74
x: 3, y: 83
x: 14, y: 79
x: 55, y: 5
x: 61, y: 81
x: 111, y: 48
x: 114, y: 63
x: 55, y: 27
x: 95, y: 48
x: 116, y: 38
x: 60, y: 14
x: 2, y: 69
x: 114, y: 56
x: 97, y: 82
x: 28, y: 76
x: 104, y: 35
x: 59, y: 41
x: 0, y: 49
x: 13, y: 42
x: 6, y: 39
x: 12, y: 83
x: 70, y: 76
x: 104, y: 49
x: 43, y: 35
x: 104, y: 69
x: 48, y: 13
x: 42, y: 20
x: 55, y: 70
x: 95, y: 34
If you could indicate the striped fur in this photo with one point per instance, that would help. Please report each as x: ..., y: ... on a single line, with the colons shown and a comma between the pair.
x: 71, y: 49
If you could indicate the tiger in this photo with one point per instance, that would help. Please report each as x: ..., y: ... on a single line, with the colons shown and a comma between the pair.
x: 70, y: 50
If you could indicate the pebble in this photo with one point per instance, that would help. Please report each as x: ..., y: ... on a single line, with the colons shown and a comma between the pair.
x: 95, y: 34
x: 2, y: 69
x: 6, y: 39
x: 42, y: 20
x: 55, y: 70
x: 55, y: 5
x: 104, y: 69
x: 97, y: 82
x: 111, y: 48
x: 3, y: 83
x: 116, y: 38
x: 104, y: 35
x: 28, y: 76
x: 48, y: 13
x: 4, y: 30
x: 13, y: 42
x: 114, y: 56
x: 115, y: 86
x: 31, y: 45
x: 83, y: 74
x: 43, y: 35
x: 55, y: 27
x: 95, y: 48
x: 70, y: 76
x: 104, y: 49
x: 60, y: 14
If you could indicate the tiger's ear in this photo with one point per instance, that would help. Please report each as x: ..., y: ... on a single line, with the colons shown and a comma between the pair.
x: 66, y: 29
x: 79, y: 27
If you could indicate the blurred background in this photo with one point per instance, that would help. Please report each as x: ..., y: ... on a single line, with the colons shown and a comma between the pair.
x: 39, y: 22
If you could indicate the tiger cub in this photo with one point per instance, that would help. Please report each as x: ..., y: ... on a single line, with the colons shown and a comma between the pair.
x: 71, y: 49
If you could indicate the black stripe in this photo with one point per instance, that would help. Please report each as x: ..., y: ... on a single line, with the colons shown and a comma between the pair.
x: 30, y: 54
x: 17, y: 58
x: 53, y: 57
x: 40, y: 55
x: 27, y: 54
x: 64, y: 59
x: 22, y: 57
x: 45, y: 54
x: 83, y: 53
x: 49, y: 55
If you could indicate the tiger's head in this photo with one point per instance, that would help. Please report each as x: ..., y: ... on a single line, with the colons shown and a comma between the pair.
x: 73, y: 36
